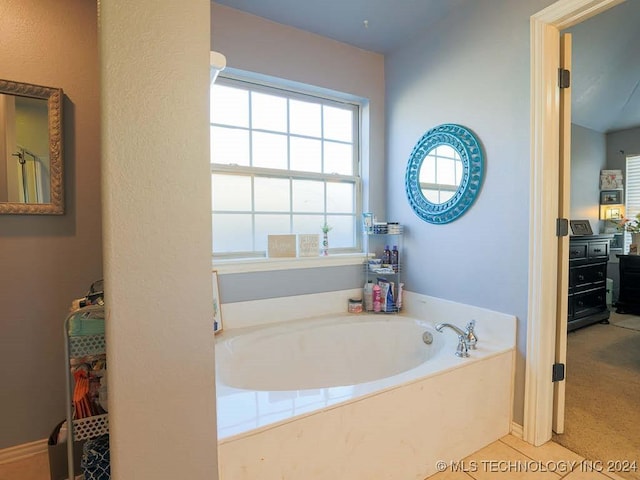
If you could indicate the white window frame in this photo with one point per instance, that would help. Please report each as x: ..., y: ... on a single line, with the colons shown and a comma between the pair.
x: 632, y: 193
x: 246, y: 261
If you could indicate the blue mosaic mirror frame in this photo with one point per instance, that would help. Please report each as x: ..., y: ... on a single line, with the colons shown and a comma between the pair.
x: 468, y: 147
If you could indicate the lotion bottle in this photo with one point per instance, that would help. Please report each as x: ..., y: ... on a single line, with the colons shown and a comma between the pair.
x: 377, y: 298
x: 368, y: 296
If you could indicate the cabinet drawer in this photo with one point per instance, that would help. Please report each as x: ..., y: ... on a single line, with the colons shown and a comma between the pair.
x: 578, y: 250
x: 591, y: 301
x: 598, y: 249
x: 587, y: 275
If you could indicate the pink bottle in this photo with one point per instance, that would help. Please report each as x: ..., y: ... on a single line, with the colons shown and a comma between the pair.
x: 377, y: 298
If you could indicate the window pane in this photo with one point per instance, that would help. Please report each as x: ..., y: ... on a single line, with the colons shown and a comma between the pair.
x: 230, y: 146
x: 431, y: 195
x: 232, y: 233
x: 445, y: 195
x: 304, y: 118
x: 270, y: 225
x: 230, y: 193
x: 428, y: 170
x: 342, y: 232
x: 308, y: 224
x: 338, y: 158
x: 306, y: 154
x: 229, y: 106
x: 446, y: 151
x: 271, y: 194
x: 308, y: 196
x: 340, y: 197
x: 459, y: 170
x: 269, y: 150
x: 338, y: 123
x: 268, y: 112
x: 446, y: 171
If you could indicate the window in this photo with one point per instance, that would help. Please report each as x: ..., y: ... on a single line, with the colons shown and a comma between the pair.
x: 282, y: 162
x: 632, y: 199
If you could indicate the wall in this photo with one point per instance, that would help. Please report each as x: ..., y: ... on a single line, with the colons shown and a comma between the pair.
x: 157, y: 243
x: 620, y: 145
x: 256, y: 45
x: 472, y: 69
x: 588, y: 157
x: 46, y: 261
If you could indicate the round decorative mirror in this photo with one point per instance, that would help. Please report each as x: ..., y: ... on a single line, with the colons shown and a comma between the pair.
x: 444, y: 173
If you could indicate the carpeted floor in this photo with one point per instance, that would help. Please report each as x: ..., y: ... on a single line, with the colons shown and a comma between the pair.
x: 602, y: 419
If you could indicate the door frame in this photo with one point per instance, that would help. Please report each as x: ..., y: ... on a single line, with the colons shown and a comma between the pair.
x: 544, y: 187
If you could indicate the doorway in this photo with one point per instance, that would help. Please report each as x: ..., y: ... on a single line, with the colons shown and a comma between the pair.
x: 545, y: 178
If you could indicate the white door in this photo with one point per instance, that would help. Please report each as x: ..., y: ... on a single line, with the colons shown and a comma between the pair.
x: 564, y: 195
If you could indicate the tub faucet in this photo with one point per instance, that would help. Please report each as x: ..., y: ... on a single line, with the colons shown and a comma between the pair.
x: 466, y: 338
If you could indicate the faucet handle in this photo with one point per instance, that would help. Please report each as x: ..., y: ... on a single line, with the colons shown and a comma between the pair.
x: 463, y: 347
x: 472, y: 339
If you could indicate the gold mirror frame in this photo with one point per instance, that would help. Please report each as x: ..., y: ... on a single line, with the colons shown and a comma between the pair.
x: 54, y: 103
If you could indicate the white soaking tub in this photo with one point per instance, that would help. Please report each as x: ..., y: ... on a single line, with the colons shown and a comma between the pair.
x: 355, y: 396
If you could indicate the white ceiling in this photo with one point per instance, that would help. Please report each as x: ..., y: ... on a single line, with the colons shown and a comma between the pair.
x: 606, y: 48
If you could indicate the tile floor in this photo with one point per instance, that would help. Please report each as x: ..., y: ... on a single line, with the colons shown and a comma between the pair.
x: 510, y: 457
x: 505, y: 459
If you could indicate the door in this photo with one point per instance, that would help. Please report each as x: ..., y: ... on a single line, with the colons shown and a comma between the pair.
x: 564, y: 195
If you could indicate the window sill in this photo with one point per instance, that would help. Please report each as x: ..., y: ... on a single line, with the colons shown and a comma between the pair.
x: 224, y: 267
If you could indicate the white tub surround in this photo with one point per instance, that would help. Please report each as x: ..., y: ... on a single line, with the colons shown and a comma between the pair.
x: 399, y: 426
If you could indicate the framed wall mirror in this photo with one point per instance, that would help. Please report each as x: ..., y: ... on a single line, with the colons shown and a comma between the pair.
x: 31, y: 139
x: 444, y: 173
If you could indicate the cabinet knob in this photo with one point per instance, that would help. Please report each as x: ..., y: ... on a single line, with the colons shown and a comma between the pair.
x: 575, y: 252
x: 597, y: 250
x: 580, y: 277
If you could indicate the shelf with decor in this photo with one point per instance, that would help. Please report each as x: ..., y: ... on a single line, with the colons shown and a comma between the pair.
x: 383, y: 266
x: 85, y: 356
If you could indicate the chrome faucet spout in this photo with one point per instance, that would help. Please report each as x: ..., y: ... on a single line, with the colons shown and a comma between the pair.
x: 458, y: 330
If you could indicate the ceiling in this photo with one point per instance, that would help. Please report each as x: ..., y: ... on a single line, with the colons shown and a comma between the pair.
x: 606, y: 48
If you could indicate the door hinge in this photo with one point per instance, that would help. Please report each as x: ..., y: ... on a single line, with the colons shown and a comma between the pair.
x: 558, y: 372
x: 562, y: 227
x: 564, y: 78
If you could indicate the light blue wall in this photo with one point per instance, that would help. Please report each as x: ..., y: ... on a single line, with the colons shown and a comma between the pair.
x: 588, y: 157
x: 472, y: 69
x: 620, y: 145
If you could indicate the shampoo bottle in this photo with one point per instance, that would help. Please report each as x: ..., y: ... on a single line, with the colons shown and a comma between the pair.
x: 386, y: 256
x: 395, y: 258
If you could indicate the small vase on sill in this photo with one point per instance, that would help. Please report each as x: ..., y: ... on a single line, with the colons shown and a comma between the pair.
x: 325, y: 244
x: 325, y: 240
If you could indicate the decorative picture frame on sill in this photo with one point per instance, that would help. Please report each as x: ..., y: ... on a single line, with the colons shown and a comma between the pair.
x: 217, y: 309
x: 610, y: 197
x: 581, y: 227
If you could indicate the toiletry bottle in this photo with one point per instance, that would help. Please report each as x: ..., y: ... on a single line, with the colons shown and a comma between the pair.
x: 386, y: 256
x: 368, y: 296
x: 377, y: 298
x: 395, y: 258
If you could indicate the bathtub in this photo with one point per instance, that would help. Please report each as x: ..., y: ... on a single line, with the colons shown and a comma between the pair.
x: 356, y: 396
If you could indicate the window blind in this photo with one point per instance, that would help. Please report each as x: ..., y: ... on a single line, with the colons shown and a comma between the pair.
x: 632, y: 199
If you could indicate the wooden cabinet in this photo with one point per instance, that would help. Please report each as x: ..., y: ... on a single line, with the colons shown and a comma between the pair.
x: 588, y: 257
x: 629, y: 297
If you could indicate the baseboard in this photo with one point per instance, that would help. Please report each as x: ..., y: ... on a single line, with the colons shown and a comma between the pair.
x: 517, y: 430
x: 11, y: 454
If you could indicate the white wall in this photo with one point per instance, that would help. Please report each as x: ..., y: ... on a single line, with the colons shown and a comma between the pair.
x: 157, y: 238
x: 472, y: 69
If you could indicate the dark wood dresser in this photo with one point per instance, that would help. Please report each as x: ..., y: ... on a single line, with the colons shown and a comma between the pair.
x: 629, y: 296
x: 588, y: 257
